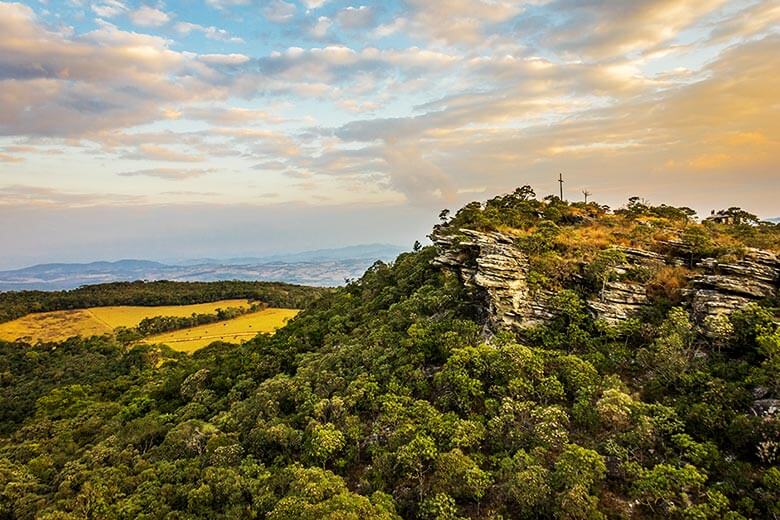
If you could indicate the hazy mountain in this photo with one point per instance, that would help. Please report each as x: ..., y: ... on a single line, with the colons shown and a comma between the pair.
x: 365, y: 251
x: 327, y: 267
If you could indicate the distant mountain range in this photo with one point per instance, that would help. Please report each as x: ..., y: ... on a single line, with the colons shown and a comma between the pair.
x: 776, y: 220
x: 324, y: 267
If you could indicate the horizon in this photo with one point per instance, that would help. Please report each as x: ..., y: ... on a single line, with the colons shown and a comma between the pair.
x: 228, y: 128
x: 226, y: 258
x: 6, y: 266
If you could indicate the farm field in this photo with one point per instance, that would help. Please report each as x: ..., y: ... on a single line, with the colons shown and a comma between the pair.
x: 236, y: 330
x: 61, y: 325
x: 130, y: 316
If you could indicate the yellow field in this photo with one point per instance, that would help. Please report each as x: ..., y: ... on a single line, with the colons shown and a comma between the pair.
x: 61, y: 325
x: 115, y: 317
x: 236, y: 330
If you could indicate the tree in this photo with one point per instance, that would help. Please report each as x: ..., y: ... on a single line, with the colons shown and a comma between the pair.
x: 602, y: 267
x: 416, y: 459
x: 325, y: 440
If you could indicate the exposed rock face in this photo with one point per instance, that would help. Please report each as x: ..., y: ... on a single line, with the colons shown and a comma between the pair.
x: 723, y: 288
x: 619, y: 301
x: 496, y: 270
x: 622, y: 300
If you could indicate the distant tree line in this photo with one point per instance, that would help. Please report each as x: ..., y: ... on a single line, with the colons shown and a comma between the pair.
x: 162, y: 324
x: 274, y: 294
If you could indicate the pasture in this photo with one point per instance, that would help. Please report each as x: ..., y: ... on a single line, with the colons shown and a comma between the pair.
x: 61, y: 325
x: 236, y: 330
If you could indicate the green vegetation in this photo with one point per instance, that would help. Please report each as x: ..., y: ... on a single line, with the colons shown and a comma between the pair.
x: 387, y: 399
x: 17, y: 304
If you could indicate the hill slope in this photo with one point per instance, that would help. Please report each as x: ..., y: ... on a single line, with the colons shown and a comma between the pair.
x: 403, y: 395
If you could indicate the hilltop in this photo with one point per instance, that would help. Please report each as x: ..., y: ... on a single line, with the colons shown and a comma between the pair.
x: 542, y: 359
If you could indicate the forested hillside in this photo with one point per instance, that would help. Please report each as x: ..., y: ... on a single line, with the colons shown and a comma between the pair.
x: 275, y: 294
x: 399, y: 395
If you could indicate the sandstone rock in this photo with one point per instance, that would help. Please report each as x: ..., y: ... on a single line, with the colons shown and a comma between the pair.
x: 642, y: 256
x: 737, y: 285
x: 725, y: 287
x: 496, y: 270
x: 763, y: 257
x: 619, y: 301
x: 708, y: 302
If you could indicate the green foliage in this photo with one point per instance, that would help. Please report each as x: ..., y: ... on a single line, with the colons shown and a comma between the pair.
x: 388, y: 398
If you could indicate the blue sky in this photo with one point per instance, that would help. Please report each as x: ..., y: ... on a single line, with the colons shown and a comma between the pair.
x: 254, y: 127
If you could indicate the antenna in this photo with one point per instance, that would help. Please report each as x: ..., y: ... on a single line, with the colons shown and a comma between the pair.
x: 560, y: 181
x: 587, y: 194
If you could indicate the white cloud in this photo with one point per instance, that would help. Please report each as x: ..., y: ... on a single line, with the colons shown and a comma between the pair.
x: 146, y: 16
x: 313, y: 4
x: 355, y: 17
x: 170, y: 174
x: 109, y: 8
x: 211, y: 32
x: 59, y: 84
x: 279, y: 11
x: 321, y: 27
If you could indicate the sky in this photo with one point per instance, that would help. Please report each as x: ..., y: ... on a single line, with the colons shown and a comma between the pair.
x: 220, y: 128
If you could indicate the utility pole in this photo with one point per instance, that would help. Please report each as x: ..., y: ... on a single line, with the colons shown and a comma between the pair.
x: 560, y: 181
x: 587, y: 194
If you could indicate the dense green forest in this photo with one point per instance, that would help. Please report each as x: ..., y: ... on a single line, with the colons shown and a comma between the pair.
x: 16, y: 304
x: 391, y: 398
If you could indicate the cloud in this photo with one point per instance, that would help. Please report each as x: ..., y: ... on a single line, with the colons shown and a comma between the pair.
x: 755, y: 19
x: 723, y: 125
x: 319, y: 30
x: 592, y: 30
x: 460, y: 21
x: 279, y: 11
x: 149, y: 151
x: 211, y: 32
x: 34, y: 196
x: 109, y: 8
x: 8, y: 158
x: 470, y: 95
x: 146, y: 16
x: 313, y: 4
x: 356, y: 17
x: 60, y: 84
x: 169, y: 174
x: 224, y: 116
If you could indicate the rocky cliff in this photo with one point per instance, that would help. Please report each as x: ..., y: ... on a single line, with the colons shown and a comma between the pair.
x: 496, y: 270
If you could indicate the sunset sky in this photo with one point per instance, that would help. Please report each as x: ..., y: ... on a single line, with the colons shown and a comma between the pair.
x: 240, y: 127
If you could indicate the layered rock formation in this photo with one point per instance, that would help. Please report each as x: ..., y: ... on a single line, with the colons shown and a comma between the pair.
x: 723, y: 288
x: 496, y: 270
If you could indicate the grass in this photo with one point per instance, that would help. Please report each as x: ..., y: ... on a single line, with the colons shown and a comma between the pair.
x: 236, y: 330
x: 61, y: 325
x: 126, y: 316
